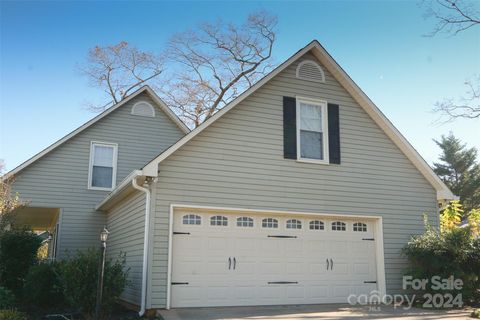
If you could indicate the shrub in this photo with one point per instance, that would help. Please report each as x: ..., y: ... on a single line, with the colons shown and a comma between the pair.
x: 18, y: 252
x: 12, y: 315
x: 454, y: 252
x: 42, y: 286
x: 79, y: 278
x: 7, y: 299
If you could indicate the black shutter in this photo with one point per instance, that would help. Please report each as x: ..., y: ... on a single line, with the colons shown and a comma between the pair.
x: 333, y: 133
x: 289, y: 128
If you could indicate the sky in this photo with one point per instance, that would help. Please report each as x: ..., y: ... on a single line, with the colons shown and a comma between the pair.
x: 380, y: 44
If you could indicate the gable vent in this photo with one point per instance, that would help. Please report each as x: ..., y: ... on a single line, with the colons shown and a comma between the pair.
x: 143, y: 109
x: 310, y: 70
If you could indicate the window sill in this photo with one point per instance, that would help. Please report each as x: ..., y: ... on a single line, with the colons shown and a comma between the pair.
x: 315, y: 161
x: 100, y: 189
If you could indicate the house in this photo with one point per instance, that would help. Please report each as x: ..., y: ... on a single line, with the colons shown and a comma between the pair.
x: 299, y: 191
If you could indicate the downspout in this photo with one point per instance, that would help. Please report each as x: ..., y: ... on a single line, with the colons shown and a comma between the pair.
x: 145, y: 242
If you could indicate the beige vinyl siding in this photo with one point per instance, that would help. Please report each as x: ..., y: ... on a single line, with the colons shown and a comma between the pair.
x: 238, y: 162
x: 126, y: 222
x: 60, y: 178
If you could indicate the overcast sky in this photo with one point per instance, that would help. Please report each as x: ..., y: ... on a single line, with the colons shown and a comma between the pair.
x: 381, y: 45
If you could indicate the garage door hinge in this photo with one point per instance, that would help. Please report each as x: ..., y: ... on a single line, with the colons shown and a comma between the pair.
x: 177, y: 283
x: 181, y: 232
x: 284, y: 237
x: 369, y: 239
x: 369, y: 281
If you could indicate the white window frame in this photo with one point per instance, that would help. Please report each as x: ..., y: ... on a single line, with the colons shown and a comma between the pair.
x: 324, y: 109
x: 90, y: 164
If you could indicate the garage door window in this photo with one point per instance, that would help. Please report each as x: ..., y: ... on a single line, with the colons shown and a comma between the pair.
x: 269, y: 223
x: 360, y: 227
x: 218, y: 221
x: 317, y: 225
x: 244, y: 222
x: 294, y: 224
x: 338, y: 226
x: 192, y: 219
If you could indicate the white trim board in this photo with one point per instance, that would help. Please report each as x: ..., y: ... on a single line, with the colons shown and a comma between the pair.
x: 151, y: 169
x: 378, y: 235
x: 86, y: 125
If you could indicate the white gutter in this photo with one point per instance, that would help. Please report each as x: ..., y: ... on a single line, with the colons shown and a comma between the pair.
x: 145, y: 242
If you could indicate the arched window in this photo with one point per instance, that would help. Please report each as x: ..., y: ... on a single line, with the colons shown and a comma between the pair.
x: 218, y: 221
x: 294, y: 224
x: 310, y: 70
x: 360, y: 227
x: 317, y: 225
x: 244, y: 222
x: 339, y: 226
x: 192, y: 219
x: 143, y: 109
x: 269, y: 223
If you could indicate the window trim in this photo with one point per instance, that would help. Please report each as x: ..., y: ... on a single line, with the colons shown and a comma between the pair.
x: 324, y: 110
x: 114, y: 163
x: 188, y: 216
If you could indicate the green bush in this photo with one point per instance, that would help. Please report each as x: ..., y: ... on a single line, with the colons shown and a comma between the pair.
x: 12, y: 315
x: 7, y: 299
x: 18, y: 252
x: 79, y: 275
x: 444, y: 254
x: 42, y: 286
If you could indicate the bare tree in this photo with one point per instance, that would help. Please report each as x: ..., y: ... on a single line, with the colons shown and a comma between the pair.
x: 465, y: 107
x: 453, y: 16
x: 9, y: 201
x: 120, y: 69
x: 213, y: 64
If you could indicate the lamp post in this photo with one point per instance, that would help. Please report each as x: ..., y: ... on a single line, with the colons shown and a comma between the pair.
x: 101, y: 271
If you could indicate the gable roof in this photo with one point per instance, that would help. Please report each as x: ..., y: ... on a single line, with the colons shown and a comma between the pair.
x: 352, y: 88
x: 144, y: 89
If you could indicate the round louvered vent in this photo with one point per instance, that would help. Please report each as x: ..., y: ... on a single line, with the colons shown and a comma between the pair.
x: 143, y: 109
x: 309, y: 70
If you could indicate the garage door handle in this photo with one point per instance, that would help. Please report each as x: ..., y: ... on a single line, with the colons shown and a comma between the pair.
x: 331, y: 264
x: 234, y: 263
x: 328, y: 264
x: 229, y: 263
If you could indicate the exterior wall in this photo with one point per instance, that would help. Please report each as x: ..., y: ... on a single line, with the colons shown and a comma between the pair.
x: 238, y: 162
x: 59, y: 179
x: 126, y: 222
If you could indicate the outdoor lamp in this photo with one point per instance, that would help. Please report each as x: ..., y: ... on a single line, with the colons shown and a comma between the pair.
x: 104, y: 235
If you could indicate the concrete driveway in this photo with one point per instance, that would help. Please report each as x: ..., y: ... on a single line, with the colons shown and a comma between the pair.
x: 310, y: 312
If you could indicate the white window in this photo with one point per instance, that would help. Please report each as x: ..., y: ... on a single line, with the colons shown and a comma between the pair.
x: 312, y: 130
x: 339, y: 226
x: 218, y: 221
x: 192, y: 219
x: 103, y: 166
x: 143, y: 109
x: 317, y: 225
x: 360, y: 227
x: 244, y: 222
x: 269, y: 223
x: 294, y: 224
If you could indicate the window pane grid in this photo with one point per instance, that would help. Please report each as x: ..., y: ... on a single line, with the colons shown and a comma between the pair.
x: 317, y: 225
x: 219, y: 221
x: 192, y: 219
x: 311, y: 131
x: 360, y: 227
x: 339, y: 226
x: 244, y: 222
x: 269, y: 223
x: 294, y: 224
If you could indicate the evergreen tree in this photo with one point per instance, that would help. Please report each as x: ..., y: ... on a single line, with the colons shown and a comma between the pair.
x: 460, y: 170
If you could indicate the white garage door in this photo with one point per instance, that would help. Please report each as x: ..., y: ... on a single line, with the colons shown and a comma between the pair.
x: 223, y: 259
